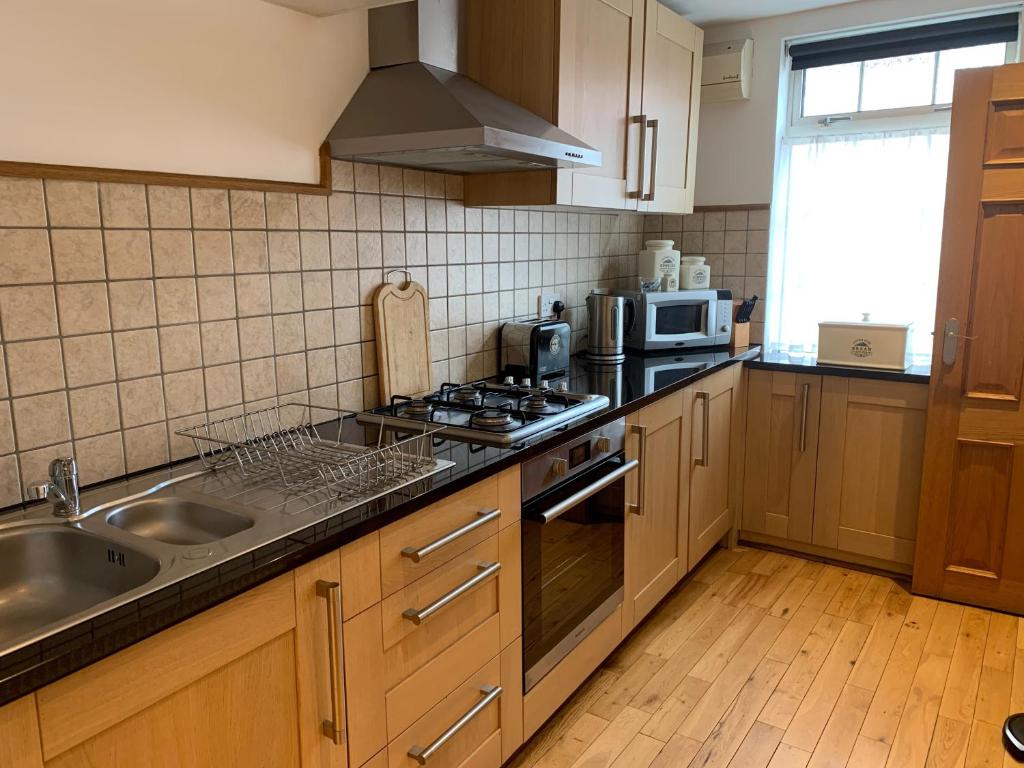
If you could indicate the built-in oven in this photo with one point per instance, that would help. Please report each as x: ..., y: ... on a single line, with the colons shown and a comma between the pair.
x: 662, y: 320
x: 573, y: 531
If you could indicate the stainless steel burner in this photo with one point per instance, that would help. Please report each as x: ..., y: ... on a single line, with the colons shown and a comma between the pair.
x: 467, y: 395
x: 418, y: 408
x: 491, y: 419
x: 534, y: 403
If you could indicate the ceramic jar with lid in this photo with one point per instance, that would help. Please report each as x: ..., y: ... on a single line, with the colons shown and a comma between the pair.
x: 659, y: 261
x: 694, y: 273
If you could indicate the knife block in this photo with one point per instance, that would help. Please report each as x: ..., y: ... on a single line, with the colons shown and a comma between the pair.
x: 740, y: 331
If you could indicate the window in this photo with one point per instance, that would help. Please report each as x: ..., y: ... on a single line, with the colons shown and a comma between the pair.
x: 860, y: 177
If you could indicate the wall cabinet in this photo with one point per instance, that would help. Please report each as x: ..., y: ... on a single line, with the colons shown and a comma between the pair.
x: 833, y: 464
x: 621, y: 75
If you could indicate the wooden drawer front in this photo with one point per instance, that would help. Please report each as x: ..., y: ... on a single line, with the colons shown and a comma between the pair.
x: 477, y: 743
x: 432, y: 524
x: 423, y: 662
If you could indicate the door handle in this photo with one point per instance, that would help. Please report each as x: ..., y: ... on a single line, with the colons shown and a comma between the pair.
x: 642, y: 120
x: 705, y: 440
x: 803, y: 417
x: 585, y: 493
x: 950, y: 336
x: 641, y: 476
x: 331, y: 592
x: 653, y: 125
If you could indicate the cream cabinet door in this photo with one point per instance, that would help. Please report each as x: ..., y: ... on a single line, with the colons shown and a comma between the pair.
x: 673, y: 50
x: 601, y: 64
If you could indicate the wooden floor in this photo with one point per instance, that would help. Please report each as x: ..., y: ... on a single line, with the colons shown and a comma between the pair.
x: 761, y: 659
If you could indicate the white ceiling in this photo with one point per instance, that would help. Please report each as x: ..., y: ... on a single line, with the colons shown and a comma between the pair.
x: 720, y: 11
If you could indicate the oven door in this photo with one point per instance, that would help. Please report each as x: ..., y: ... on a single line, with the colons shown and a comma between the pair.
x: 680, y: 322
x: 572, y: 563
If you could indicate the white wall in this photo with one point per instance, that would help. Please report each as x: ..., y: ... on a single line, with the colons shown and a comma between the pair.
x: 217, y: 87
x: 736, y: 149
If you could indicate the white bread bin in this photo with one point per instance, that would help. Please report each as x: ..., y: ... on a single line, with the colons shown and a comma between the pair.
x: 865, y: 344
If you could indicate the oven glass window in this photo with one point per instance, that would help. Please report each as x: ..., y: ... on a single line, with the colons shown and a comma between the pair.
x: 572, y: 568
x: 676, y: 319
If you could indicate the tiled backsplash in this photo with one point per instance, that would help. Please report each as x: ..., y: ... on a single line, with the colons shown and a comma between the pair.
x: 735, y: 244
x: 130, y: 311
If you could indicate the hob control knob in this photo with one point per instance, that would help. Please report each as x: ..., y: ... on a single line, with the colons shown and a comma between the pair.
x: 526, y: 383
x: 559, y: 467
x: 563, y: 386
x: 510, y: 381
x: 603, y: 444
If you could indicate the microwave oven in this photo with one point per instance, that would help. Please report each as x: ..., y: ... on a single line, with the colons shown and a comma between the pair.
x: 663, y: 320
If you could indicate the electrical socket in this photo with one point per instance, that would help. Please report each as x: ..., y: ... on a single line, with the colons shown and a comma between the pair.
x: 545, y: 305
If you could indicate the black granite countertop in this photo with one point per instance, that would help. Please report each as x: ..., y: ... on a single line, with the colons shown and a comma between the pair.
x: 635, y: 383
x: 783, y: 361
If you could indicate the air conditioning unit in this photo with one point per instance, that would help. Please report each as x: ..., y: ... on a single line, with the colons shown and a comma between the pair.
x: 728, y: 68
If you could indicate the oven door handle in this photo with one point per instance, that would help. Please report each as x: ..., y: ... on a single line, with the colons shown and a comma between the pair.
x: 585, y: 493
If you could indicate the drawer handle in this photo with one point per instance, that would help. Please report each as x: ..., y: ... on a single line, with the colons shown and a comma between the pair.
x: 331, y: 592
x: 422, y: 754
x: 484, y: 517
x: 418, y: 615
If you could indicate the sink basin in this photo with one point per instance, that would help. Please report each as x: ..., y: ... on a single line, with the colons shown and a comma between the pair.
x: 178, y: 521
x: 51, y: 572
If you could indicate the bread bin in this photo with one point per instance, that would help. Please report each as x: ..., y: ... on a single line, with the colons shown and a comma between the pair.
x: 865, y: 344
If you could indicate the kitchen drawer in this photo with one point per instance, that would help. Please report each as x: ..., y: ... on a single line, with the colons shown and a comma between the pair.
x: 417, y: 545
x: 488, y: 737
x: 424, y: 661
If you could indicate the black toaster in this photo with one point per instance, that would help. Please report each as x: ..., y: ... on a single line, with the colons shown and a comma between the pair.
x: 537, y: 350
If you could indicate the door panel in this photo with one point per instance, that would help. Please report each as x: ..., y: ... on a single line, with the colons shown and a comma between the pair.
x: 711, y: 452
x: 971, y: 515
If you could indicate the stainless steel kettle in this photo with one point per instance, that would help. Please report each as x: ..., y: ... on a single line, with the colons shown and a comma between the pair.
x: 606, y: 323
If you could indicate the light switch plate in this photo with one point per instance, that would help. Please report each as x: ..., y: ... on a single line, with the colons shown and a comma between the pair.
x: 545, y: 304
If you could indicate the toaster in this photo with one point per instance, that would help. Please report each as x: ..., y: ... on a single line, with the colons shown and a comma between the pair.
x: 537, y: 350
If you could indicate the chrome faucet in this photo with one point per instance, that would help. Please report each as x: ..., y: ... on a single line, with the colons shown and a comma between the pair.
x: 62, y: 489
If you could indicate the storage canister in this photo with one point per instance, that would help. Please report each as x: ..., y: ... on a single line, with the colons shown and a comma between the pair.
x: 694, y: 273
x: 659, y: 261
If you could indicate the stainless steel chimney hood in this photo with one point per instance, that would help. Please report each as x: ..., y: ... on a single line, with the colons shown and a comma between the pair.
x: 414, y: 109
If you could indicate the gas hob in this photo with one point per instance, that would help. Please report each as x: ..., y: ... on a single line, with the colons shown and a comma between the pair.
x: 486, y: 412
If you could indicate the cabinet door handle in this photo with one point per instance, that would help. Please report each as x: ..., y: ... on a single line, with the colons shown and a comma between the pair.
x: 805, y: 400
x: 484, y: 517
x: 418, y: 615
x: 640, y: 430
x: 331, y: 592
x: 653, y: 124
x: 642, y: 120
x: 422, y: 754
x: 705, y: 439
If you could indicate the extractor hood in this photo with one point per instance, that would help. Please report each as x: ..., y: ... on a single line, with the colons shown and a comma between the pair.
x: 414, y: 109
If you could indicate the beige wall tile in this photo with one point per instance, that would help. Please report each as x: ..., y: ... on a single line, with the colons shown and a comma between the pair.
x: 367, y: 212
x: 286, y: 292
x: 342, y: 177
x: 185, y: 393
x: 41, y: 420
x: 35, y: 464
x: 312, y: 212
x: 350, y: 395
x: 320, y: 367
x: 220, y: 342
x: 434, y: 184
x: 145, y: 446
x: 78, y: 254
x: 413, y: 182
x: 316, y: 290
x: 88, y: 359
x: 142, y: 401
x: 319, y: 329
x: 176, y: 300
x: 94, y: 410
x: 35, y: 366
x: 256, y: 337
x: 213, y: 253
x: 216, y: 297
x: 758, y: 219
x: 180, y: 347
x: 253, y: 294
x: 342, y: 211
x: 291, y: 373
x: 3, y: 374
x: 316, y: 250
x: 24, y: 255
x: 248, y: 210
x: 182, y: 447
x: 128, y: 254
x: 132, y: 304
x: 250, y: 250
x: 28, y: 312
x: 367, y: 178
x: 343, y: 250
x: 289, y: 333
x: 210, y: 209
x: 73, y: 203
x: 169, y: 207
x: 172, y: 253
x: 83, y: 308
x: 391, y: 180
x: 124, y: 205
x: 259, y: 379
x: 223, y: 386
x: 282, y: 210
x: 284, y: 251
x: 100, y: 458
x: 349, y: 362
x: 21, y: 202
x: 136, y: 353
x: 7, y: 444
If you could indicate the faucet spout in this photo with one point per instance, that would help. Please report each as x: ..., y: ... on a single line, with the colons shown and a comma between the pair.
x: 62, y: 488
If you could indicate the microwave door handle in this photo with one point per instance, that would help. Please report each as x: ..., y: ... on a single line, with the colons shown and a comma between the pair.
x: 583, y: 494
x: 631, y: 304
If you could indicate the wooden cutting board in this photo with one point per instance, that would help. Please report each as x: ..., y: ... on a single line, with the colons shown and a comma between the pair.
x: 402, y: 319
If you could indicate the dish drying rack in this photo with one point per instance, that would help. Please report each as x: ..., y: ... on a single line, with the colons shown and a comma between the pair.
x: 283, y: 446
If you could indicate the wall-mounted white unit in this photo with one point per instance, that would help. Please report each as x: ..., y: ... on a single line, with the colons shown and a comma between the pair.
x: 728, y: 68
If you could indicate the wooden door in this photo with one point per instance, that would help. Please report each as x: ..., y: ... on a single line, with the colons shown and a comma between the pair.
x: 655, y: 534
x: 711, y: 440
x: 781, y: 453
x: 600, y: 68
x: 673, y: 51
x: 869, y: 467
x: 971, y: 517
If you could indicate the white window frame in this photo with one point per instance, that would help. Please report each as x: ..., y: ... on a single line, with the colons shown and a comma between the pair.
x: 869, y: 121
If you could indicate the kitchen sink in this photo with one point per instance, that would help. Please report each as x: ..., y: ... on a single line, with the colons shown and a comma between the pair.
x: 178, y: 521
x: 51, y: 572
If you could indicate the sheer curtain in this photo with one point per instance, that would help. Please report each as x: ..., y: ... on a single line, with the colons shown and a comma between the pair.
x: 856, y: 227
